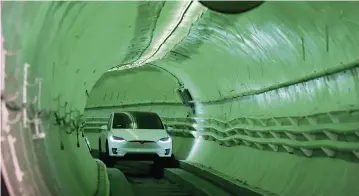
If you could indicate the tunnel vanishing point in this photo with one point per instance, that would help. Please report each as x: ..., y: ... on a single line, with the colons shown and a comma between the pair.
x: 274, y: 91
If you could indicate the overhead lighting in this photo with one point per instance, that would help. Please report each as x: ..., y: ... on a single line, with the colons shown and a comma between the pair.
x: 186, y: 13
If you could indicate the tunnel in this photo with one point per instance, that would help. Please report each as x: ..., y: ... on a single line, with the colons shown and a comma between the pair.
x: 268, y: 97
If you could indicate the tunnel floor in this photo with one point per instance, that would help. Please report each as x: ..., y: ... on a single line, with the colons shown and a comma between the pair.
x: 145, y: 181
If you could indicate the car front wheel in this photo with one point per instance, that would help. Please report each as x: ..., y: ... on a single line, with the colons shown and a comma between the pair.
x: 105, y: 156
x: 168, y: 162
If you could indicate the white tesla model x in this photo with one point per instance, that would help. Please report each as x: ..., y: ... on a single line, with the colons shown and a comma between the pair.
x: 134, y: 135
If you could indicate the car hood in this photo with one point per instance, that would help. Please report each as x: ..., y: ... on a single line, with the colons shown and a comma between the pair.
x: 140, y: 134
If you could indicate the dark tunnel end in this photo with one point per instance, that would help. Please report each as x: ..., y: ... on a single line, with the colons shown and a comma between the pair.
x: 231, y: 7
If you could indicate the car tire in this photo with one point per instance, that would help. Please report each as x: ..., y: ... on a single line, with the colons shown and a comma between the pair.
x: 108, y: 160
x: 105, y: 156
x: 169, y: 162
x: 100, y: 154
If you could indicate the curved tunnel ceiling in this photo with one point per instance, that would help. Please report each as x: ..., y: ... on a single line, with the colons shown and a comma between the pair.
x: 288, y: 69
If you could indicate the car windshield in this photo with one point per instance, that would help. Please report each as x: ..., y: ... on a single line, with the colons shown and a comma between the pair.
x: 147, y: 120
x: 122, y: 121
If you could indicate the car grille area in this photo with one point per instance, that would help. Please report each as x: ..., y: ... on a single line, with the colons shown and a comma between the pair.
x: 141, y: 144
x: 141, y: 141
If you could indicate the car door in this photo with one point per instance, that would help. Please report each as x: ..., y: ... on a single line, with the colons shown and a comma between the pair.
x: 104, y: 133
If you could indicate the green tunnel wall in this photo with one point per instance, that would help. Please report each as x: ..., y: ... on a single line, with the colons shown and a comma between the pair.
x: 252, y: 163
x: 141, y: 89
x: 276, y: 89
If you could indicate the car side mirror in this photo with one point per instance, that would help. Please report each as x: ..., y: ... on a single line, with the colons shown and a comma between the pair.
x: 103, y: 128
x: 170, y: 129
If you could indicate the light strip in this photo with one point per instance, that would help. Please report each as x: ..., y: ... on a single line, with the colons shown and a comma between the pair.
x: 194, y: 11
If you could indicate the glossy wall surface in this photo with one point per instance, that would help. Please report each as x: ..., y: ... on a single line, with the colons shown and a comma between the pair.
x: 276, y: 89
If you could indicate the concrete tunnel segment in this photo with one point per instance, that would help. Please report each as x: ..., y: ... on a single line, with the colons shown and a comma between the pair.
x: 277, y: 89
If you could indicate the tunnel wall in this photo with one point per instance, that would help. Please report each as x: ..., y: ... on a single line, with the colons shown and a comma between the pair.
x: 277, y: 45
x: 279, y: 101
x: 141, y: 89
x: 277, y: 83
x: 286, y: 155
x: 276, y: 96
x: 59, y: 47
x: 146, y: 88
x: 246, y: 54
x: 272, y: 172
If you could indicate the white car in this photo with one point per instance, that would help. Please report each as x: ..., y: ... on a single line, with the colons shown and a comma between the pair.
x: 134, y: 135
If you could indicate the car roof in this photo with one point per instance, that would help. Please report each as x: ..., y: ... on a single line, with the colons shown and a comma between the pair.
x: 135, y: 112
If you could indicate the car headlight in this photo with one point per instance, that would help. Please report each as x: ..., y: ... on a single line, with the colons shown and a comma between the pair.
x: 165, y: 140
x: 117, y: 139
